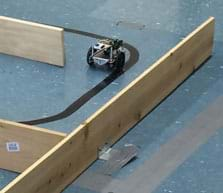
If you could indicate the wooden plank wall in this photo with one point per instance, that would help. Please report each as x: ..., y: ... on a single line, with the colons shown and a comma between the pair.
x: 62, y: 164
x: 33, y: 143
x: 32, y: 41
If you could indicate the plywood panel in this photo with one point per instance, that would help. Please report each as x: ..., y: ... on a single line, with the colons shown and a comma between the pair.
x: 33, y: 143
x: 31, y: 40
x: 62, y: 164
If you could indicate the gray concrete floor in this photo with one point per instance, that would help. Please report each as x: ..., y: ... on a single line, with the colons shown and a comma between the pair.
x: 32, y: 90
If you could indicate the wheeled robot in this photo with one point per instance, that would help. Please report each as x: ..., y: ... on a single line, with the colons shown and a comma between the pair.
x: 107, y: 52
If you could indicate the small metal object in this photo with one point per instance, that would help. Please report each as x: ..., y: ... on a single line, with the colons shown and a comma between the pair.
x: 117, y: 158
x: 104, y: 152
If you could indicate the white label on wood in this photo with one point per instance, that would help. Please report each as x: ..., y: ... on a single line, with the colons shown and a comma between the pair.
x: 13, y: 147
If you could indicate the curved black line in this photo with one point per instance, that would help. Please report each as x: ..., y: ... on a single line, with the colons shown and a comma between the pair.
x: 134, y: 57
x: 134, y: 53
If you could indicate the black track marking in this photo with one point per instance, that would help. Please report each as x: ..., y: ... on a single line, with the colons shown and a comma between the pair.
x: 134, y: 57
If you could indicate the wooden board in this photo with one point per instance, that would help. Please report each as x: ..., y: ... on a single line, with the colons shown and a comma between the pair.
x: 33, y: 143
x: 62, y: 164
x: 31, y: 40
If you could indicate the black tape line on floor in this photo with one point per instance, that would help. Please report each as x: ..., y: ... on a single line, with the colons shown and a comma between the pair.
x: 77, y: 104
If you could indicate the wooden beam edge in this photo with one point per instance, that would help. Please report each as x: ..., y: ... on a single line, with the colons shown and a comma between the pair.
x: 30, y: 127
x: 146, y: 72
x: 100, y: 111
x: 35, y: 24
x: 59, y: 30
x: 33, y: 142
